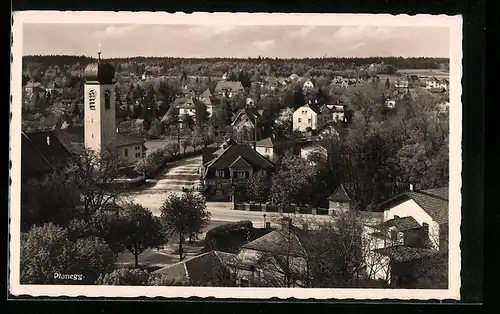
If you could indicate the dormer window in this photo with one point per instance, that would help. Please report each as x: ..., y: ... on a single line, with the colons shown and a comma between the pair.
x: 220, y: 173
x: 107, y: 99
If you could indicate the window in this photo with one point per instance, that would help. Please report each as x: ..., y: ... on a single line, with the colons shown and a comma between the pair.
x: 267, y: 150
x: 107, y: 99
x: 394, y: 235
x: 92, y: 99
x: 241, y: 174
x: 308, y: 120
x: 126, y: 152
x: 137, y: 155
x: 220, y: 173
x: 300, y: 120
x: 137, y: 147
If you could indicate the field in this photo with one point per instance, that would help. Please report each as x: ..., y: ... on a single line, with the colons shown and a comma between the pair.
x: 425, y: 72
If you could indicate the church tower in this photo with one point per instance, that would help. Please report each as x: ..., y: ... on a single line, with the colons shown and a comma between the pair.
x: 100, y: 114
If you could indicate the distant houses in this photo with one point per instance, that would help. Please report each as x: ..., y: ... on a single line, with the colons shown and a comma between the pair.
x: 228, y: 88
x: 309, y: 117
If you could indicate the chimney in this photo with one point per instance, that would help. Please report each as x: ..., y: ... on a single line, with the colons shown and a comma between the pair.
x: 48, y: 140
x: 285, y: 224
x: 411, y: 187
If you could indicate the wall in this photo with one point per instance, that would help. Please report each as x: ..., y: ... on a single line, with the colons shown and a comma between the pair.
x: 339, y: 206
x: 410, y: 208
x: 131, y: 158
x: 377, y: 265
x: 262, y: 150
x: 308, y: 114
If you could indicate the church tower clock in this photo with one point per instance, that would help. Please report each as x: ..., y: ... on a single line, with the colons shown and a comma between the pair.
x: 99, y: 102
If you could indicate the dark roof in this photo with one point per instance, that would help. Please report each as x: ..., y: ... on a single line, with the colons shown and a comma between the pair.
x: 207, y: 269
x: 229, y: 85
x: 50, y: 147
x: 208, y: 154
x: 230, y: 154
x: 251, y: 112
x: 188, y: 104
x: 314, y: 108
x: 73, y: 139
x: 401, y: 253
x: 270, y: 142
x: 433, y: 201
x: 340, y: 194
x: 401, y: 224
x: 33, y: 164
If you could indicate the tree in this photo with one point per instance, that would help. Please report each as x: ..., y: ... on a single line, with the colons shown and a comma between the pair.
x: 140, y: 230
x: 124, y: 277
x: 92, y: 173
x: 59, y: 208
x: 186, y: 142
x: 257, y: 186
x: 155, y: 128
x: 187, y: 121
x: 185, y: 216
x: 292, y: 181
x: 49, y: 257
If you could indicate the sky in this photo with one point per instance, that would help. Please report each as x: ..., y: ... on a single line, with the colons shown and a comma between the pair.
x: 238, y: 41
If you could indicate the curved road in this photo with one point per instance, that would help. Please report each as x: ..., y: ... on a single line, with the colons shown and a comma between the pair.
x: 184, y: 173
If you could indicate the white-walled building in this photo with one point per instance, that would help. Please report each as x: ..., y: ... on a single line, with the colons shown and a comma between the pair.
x: 309, y: 116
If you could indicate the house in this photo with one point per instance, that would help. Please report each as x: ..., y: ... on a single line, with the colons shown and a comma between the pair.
x: 54, y: 88
x: 308, y: 85
x: 147, y: 75
x: 228, y: 88
x: 260, y: 262
x: 293, y: 77
x: 435, y: 83
x: 250, y: 118
x: 34, y: 87
x: 209, y: 100
x: 429, y: 207
x: 390, y: 103
x: 339, y: 201
x: 208, y: 269
x: 337, y: 111
x: 401, y: 84
x: 188, y: 107
x: 309, y: 116
x: 272, y: 147
x: 41, y: 154
x: 228, y: 169
x: 129, y: 149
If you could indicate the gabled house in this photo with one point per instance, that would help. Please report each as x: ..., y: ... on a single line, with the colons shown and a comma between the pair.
x: 414, y: 234
x: 250, y: 118
x: 438, y: 84
x: 308, y: 85
x: 54, y: 88
x: 147, y: 75
x: 209, y: 100
x: 229, y: 88
x: 401, y: 84
x: 272, y: 147
x: 293, y: 77
x: 205, y: 270
x: 229, y: 168
x: 188, y: 107
x: 339, y: 201
x: 308, y: 117
x: 261, y: 262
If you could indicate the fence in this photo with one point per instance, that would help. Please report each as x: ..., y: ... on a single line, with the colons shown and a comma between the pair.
x: 280, y: 209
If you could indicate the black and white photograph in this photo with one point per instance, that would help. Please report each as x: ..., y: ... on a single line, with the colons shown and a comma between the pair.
x: 235, y: 155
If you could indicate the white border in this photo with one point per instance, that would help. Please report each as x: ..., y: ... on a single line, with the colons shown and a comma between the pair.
x: 454, y: 23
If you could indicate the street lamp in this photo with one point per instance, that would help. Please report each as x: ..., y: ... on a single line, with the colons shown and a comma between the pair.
x: 264, y: 220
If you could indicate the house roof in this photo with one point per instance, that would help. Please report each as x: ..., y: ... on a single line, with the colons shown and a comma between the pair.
x: 208, y: 154
x: 73, y: 139
x: 313, y: 107
x: 401, y: 224
x: 240, y: 163
x: 188, y: 104
x: 206, y: 93
x: 50, y: 147
x: 34, y: 85
x: 229, y: 155
x: 207, y: 269
x: 251, y: 112
x: 277, y: 242
x: 33, y: 164
x: 340, y: 194
x: 270, y: 142
x: 294, y: 76
x: 401, y: 253
x: 433, y: 201
x: 229, y: 85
